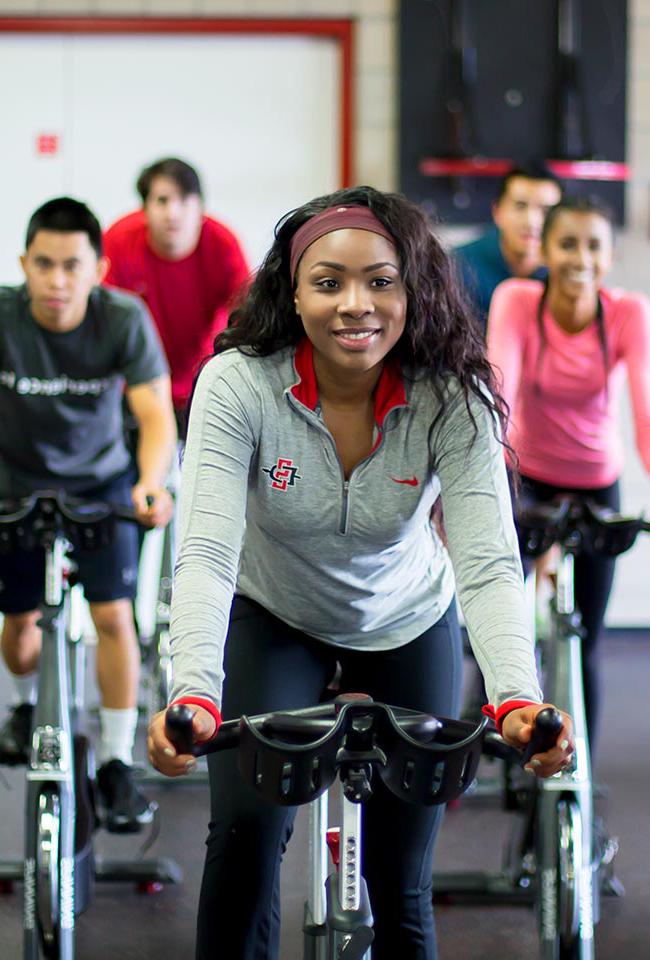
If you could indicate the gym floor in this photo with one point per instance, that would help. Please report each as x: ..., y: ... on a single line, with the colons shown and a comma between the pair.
x: 122, y: 924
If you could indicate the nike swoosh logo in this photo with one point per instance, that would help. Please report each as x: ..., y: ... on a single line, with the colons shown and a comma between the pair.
x: 413, y: 482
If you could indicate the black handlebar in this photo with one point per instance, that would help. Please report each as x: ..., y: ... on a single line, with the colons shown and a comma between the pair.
x: 288, y: 726
x: 35, y: 520
x: 576, y: 522
x: 548, y: 724
x: 178, y: 729
x: 291, y: 757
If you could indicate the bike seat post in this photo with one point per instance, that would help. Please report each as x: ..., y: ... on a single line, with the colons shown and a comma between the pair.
x: 565, y: 599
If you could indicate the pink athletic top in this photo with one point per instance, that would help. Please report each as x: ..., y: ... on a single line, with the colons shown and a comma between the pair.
x: 564, y: 410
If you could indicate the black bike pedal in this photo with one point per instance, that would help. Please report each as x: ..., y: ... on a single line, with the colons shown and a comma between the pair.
x: 548, y: 724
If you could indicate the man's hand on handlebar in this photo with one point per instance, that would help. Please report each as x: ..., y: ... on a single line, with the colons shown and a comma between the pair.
x: 517, y: 731
x: 153, y: 506
x: 162, y: 754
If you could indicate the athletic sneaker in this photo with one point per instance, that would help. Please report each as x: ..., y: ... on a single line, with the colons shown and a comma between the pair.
x: 125, y: 809
x: 15, y: 735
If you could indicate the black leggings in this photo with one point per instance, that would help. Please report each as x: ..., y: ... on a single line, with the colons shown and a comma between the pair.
x: 594, y: 575
x: 271, y: 666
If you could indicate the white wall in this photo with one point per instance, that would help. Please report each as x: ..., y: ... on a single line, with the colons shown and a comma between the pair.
x: 231, y: 105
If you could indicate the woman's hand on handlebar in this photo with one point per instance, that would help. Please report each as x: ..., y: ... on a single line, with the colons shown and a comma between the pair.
x: 153, y: 505
x: 517, y: 730
x: 162, y: 754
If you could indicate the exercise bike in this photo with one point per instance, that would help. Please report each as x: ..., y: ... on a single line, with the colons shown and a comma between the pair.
x: 294, y: 757
x: 553, y: 862
x: 59, y: 866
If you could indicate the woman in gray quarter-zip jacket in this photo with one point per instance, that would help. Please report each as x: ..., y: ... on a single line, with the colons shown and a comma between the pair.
x: 349, y: 392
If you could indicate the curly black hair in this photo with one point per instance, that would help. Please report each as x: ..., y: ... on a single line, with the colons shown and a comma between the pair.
x: 441, y: 338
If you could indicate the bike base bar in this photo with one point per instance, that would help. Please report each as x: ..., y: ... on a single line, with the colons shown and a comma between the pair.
x: 163, y: 870
x: 467, y: 887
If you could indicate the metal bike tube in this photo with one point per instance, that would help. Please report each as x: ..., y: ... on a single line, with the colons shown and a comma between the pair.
x: 351, y: 891
x: 547, y: 876
x: 51, y: 764
x: 565, y: 598
x: 76, y: 645
x: 569, y: 868
x: 318, y: 857
x: 315, y: 941
x: 350, y: 866
x: 564, y: 687
x: 163, y: 606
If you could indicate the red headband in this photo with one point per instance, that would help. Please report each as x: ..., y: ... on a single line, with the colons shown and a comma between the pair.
x: 334, y: 218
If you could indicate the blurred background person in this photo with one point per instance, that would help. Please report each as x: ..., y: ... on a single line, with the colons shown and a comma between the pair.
x: 186, y: 266
x: 561, y: 349
x: 70, y: 349
x: 511, y: 248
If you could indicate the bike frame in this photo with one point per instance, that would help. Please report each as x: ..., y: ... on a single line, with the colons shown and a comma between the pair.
x: 292, y: 757
x: 56, y: 876
x: 567, y: 791
x: 51, y: 769
x: 559, y: 809
x: 337, y: 904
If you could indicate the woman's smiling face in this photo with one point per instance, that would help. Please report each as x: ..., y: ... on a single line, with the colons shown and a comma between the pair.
x: 351, y: 298
x: 578, y: 250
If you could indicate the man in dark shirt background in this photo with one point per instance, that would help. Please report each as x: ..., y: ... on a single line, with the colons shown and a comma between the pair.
x: 512, y: 247
x: 69, y: 351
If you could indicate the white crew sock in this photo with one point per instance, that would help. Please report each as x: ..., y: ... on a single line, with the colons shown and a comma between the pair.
x: 25, y: 687
x: 118, y: 734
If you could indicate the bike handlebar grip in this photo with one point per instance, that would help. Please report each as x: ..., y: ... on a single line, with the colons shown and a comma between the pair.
x: 548, y: 724
x: 178, y: 728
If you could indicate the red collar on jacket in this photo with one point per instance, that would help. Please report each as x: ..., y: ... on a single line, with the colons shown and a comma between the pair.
x: 390, y: 392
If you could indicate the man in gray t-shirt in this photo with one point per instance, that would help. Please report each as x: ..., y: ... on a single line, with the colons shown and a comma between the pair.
x: 69, y: 352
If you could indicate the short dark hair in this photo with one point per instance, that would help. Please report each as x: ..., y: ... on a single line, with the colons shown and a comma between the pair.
x: 528, y: 171
x: 184, y: 176
x: 65, y: 215
x: 577, y: 204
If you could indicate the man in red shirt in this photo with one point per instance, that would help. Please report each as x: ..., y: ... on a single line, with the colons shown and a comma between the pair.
x: 186, y: 266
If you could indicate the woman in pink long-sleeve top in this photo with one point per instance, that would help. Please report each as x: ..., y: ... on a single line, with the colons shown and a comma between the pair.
x: 562, y: 351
